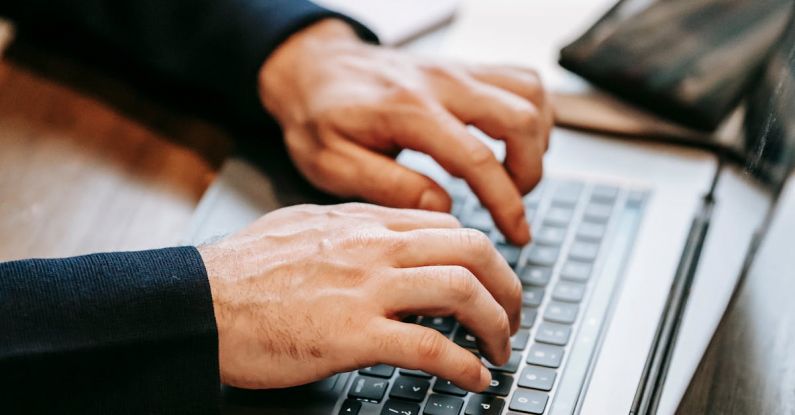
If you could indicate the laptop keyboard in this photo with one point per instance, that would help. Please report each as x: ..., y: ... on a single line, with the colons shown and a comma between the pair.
x: 579, y: 229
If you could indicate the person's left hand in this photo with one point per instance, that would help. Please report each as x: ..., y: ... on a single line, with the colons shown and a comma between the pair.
x: 347, y: 108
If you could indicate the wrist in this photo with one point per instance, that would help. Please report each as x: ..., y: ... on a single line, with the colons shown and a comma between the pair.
x: 291, y: 64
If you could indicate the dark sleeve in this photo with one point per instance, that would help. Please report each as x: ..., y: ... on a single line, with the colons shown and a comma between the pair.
x: 216, y: 45
x: 129, y: 332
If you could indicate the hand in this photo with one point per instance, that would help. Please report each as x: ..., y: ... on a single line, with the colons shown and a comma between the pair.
x: 309, y: 291
x: 347, y: 108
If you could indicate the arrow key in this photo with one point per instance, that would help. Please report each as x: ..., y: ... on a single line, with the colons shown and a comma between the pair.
x: 410, y: 388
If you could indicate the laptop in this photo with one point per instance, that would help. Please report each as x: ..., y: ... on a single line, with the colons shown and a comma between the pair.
x: 619, y: 227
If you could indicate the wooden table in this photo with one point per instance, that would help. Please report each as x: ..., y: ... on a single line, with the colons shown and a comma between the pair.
x: 79, y: 175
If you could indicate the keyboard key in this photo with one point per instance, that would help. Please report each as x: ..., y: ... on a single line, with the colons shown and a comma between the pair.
x: 350, y: 407
x: 567, y: 291
x: 442, y: 324
x: 409, y: 388
x: 511, y: 366
x: 545, y: 355
x: 500, y: 384
x: 520, y: 339
x: 593, y: 232
x: 415, y: 373
x: 604, y: 193
x: 479, y: 219
x: 561, y: 312
x: 553, y: 333
x: 445, y: 386
x: 393, y: 407
x: 382, y: 371
x: 537, y: 377
x: 532, y: 275
x: 529, y: 401
x: 443, y: 405
x: 567, y: 194
x: 542, y: 255
x: 510, y: 253
x: 576, y: 271
x: 484, y: 405
x: 598, y: 212
x: 549, y: 235
x: 528, y: 317
x: 558, y: 216
x: 584, y: 251
x: 532, y: 296
x: 365, y: 387
x: 464, y: 339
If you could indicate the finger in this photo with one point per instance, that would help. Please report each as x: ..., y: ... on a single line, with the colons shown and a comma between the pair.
x: 437, y: 133
x: 470, y: 249
x: 380, y: 179
x: 451, y: 291
x: 507, y: 117
x: 402, y: 220
x: 415, y: 347
x: 523, y: 82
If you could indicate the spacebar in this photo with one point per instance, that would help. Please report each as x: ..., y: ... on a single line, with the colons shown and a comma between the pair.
x: 574, y: 380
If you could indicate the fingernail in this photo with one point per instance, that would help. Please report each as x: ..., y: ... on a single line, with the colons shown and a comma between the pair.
x: 485, y: 377
x: 432, y: 200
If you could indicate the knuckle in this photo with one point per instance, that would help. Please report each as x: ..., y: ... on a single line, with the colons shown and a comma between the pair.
x: 461, y: 284
x: 475, y: 240
x: 527, y: 118
x: 430, y: 345
x: 481, y: 156
x: 402, y: 93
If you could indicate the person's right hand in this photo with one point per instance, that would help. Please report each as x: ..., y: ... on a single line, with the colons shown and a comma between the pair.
x: 309, y: 291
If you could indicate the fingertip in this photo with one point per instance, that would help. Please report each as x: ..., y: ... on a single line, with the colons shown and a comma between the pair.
x: 485, y: 379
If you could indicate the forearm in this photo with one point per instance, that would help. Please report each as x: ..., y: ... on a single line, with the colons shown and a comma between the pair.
x: 96, y: 333
x: 213, y: 45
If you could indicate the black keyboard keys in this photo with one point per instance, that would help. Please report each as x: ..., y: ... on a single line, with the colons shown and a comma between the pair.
x: 557, y: 312
x: 365, y: 387
x: 519, y: 340
x: 576, y: 271
x: 529, y: 401
x: 528, y: 317
x: 553, y: 333
x: 538, y: 276
x: 511, y: 366
x: 464, y: 339
x: 511, y: 253
x: 545, y: 355
x: 381, y: 371
x: 443, y: 405
x: 442, y: 324
x: 537, y: 377
x: 350, y: 407
x: 532, y: 296
x: 484, y: 405
x: 500, y: 384
x: 445, y: 386
x: 395, y: 407
x: 410, y: 388
x: 570, y: 292
x: 545, y: 256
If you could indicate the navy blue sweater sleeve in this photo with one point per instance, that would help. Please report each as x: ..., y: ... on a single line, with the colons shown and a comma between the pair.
x: 118, y: 333
x: 215, y: 45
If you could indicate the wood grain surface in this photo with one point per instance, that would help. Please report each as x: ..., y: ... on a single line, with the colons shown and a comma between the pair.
x: 79, y: 175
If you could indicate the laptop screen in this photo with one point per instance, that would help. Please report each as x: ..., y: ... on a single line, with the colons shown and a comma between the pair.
x: 769, y: 127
